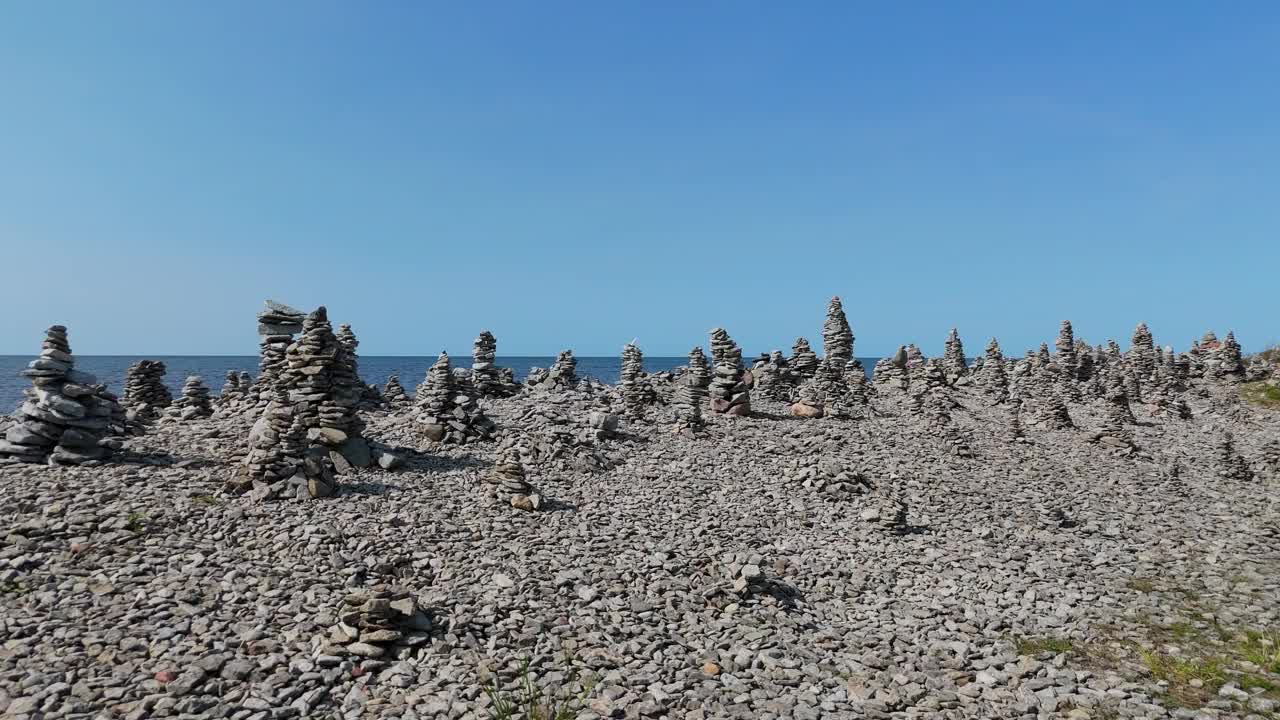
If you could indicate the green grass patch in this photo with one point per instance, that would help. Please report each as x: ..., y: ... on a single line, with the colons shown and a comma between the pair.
x: 1142, y: 585
x: 1179, y: 672
x: 1263, y: 393
x: 136, y: 522
x: 1262, y: 648
x: 14, y: 587
x: 204, y: 499
x: 1035, y: 646
x: 528, y: 702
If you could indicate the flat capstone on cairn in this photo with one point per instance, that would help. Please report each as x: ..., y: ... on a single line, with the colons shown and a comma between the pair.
x: 194, y: 403
x: 67, y: 415
x: 953, y: 361
x: 637, y: 393
x: 804, y: 361
x: 277, y: 325
x: 730, y: 394
x: 446, y: 415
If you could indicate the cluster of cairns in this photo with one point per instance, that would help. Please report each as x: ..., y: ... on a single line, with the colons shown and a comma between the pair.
x: 379, y: 621
x: 730, y: 394
x: 277, y: 324
x: 67, y: 416
x: 447, y: 414
x: 236, y: 387
x: 562, y: 375
x: 145, y: 394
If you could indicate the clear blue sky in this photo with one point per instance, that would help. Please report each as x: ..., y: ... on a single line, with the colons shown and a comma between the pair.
x: 578, y: 174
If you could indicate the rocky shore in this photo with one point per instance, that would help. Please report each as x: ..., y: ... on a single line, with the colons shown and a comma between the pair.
x: 1038, y: 537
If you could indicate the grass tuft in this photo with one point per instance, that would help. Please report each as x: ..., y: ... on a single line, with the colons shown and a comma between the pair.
x: 136, y: 522
x: 1143, y: 585
x: 528, y: 703
x: 1035, y: 646
x: 1262, y: 393
x: 204, y: 499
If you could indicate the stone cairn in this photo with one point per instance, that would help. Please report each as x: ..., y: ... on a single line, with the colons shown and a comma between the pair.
x: 953, y: 362
x: 322, y: 387
x: 855, y: 380
x: 1065, y: 347
x: 1116, y: 419
x: 837, y: 351
x: 699, y: 371
x: 1050, y: 410
x: 891, y: 372
x: 231, y: 389
x: 394, y: 392
x: 804, y: 362
x: 767, y: 374
x: 379, y: 621
x: 446, y: 415
x: 729, y: 392
x: 276, y: 447
x: 564, y: 371
x: 1142, y: 353
x: 1271, y: 458
x: 809, y: 401
x: 195, y: 401
x: 277, y: 325
x: 1230, y: 364
x: 145, y: 393
x: 1231, y: 464
x: 1016, y: 433
x: 688, y: 402
x: 485, y: 376
x: 507, y: 477
x: 837, y: 337
x: 637, y: 393
x: 66, y: 416
x: 890, y: 512
x: 993, y: 380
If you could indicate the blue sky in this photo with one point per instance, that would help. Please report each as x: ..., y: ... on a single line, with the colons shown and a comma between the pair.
x: 574, y: 174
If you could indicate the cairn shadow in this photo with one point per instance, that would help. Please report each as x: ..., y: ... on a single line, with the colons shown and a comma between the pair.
x: 366, y: 488
x: 551, y: 505
x: 426, y: 462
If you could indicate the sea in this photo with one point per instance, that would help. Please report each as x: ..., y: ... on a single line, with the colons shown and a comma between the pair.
x: 110, y: 369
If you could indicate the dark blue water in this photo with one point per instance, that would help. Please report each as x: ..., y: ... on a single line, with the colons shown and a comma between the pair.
x: 110, y: 369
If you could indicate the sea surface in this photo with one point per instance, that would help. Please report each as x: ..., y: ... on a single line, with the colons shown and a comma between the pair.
x: 110, y: 369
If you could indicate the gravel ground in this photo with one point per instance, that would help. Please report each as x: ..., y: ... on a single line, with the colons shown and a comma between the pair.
x: 745, y: 572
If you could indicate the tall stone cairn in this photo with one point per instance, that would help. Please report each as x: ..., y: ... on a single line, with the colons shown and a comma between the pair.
x: 729, y: 393
x: 446, y: 415
x: 699, y: 370
x: 195, y: 401
x: 1230, y: 364
x: 564, y: 371
x: 277, y: 325
x: 144, y: 390
x: 484, y: 372
x: 1083, y: 355
x: 1142, y: 353
x: 1231, y: 464
x: 637, y: 393
x: 394, y: 392
x: 348, y: 390
x: 855, y: 379
x: 1066, y: 351
x: 273, y: 452
x: 768, y: 377
x: 66, y: 415
x: 915, y: 358
x: 837, y: 337
x: 994, y: 380
x: 953, y: 362
x: 687, y: 404
x: 804, y: 361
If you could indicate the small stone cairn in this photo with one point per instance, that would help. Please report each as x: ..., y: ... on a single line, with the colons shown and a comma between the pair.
x: 889, y: 513
x: 507, y: 479
x: 275, y: 448
x: 729, y: 392
x: 1230, y: 365
x: 446, y: 415
x: 66, y: 416
x: 394, y: 392
x: 564, y: 372
x: 804, y: 361
x: 891, y: 372
x: 769, y: 379
x: 379, y: 621
x: 994, y: 380
x: 277, y: 325
x: 231, y: 390
x: 809, y: 401
x: 195, y: 401
x: 1231, y: 464
x: 145, y: 393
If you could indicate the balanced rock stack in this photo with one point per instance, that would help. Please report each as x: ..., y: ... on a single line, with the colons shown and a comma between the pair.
x: 195, y: 401
x: 231, y: 390
x: 1083, y: 354
x: 1231, y: 464
x: 1117, y: 416
x: 804, y: 362
x: 890, y: 511
x: 275, y: 451
x: 699, y: 371
x: 689, y: 398
x: 1230, y: 365
x: 1015, y: 431
x: 145, y: 393
x: 994, y: 380
x: 953, y: 362
x: 891, y: 372
x: 1051, y: 411
x: 507, y: 477
x: 277, y: 325
x: 394, y: 392
x: 729, y: 392
x: 446, y: 415
x: 1066, y: 348
x: 769, y: 381
x: 809, y: 401
x: 915, y: 358
x: 379, y: 621
x: 837, y: 337
x: 488, y: 379
x: 1142, y: 353
x: 637, y: 393
x: 564, y: 372
x: 66, y: 415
